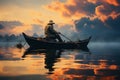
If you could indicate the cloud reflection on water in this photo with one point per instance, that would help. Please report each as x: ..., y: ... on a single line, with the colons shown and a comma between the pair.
x: 102, y: 62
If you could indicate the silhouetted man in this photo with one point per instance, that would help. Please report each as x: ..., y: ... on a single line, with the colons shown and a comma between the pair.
x: 50, y: 33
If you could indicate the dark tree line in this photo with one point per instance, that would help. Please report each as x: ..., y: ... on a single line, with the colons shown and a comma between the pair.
x: 13, y: 37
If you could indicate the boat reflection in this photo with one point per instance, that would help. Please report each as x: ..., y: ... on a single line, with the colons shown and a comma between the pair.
x: 51, y: 56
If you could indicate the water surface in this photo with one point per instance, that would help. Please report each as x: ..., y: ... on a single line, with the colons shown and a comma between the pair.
x: 100, y: 62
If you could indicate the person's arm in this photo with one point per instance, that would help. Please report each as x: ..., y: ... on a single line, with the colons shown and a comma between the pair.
x: 52, y: 30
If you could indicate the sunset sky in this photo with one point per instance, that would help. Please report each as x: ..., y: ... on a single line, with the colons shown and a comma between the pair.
x: 87, y: 16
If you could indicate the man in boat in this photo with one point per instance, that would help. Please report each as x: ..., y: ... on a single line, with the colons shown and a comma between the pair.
x: 51, y: 33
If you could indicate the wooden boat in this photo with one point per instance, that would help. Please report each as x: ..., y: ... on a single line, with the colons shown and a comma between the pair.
x: 40, y: 43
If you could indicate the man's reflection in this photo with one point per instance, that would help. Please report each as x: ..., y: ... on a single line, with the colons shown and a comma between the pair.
x: 51, y: 57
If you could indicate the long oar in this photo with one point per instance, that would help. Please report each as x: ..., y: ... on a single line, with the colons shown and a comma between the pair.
x: 66, y: 37
x: 69, y: 39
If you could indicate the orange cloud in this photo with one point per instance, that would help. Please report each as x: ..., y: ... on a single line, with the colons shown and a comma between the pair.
x: 59, y: 7
x: 38, y: 21
x: 76, y: 9
x: 20, y: 29
x: 113, y: 2
x: 92, y: 1
x: 99, y: 13
x: 103, y: 12
x: 73, y: 8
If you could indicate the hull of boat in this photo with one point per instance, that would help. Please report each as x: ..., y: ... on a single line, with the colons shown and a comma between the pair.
x: 40, y: 44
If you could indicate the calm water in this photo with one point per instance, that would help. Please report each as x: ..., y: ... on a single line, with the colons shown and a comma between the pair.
x: 100, y: 62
